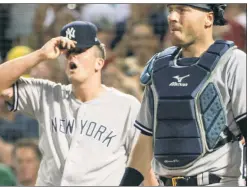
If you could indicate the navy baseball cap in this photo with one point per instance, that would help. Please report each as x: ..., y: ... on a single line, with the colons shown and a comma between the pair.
x: 83, y: 32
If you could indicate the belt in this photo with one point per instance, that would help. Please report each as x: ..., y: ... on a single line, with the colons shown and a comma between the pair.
x: 229, y: 138
x: 187, y: 181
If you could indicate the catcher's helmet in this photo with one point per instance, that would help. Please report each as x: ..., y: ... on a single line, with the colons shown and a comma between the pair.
x: 217, y: 9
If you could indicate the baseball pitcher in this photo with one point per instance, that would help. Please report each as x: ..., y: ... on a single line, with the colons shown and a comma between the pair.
x: 86, y: 128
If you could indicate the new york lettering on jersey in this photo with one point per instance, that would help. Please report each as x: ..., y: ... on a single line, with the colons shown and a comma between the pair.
x: 89, y: 128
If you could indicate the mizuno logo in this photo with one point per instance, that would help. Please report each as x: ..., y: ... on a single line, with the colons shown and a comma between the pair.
x: 179, y: 81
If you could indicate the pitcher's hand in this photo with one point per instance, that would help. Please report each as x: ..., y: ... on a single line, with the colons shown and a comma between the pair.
x: 53, y: 48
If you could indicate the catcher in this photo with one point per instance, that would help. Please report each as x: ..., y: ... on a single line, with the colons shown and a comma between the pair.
x: 193, y: 112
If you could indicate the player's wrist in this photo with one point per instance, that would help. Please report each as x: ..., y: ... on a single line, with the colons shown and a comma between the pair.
x: 132, y: 177
x: 41, y: 55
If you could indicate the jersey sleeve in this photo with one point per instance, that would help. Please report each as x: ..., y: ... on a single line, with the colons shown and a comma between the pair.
x: 133, y: 133
x: 144, y: 120
x: 27, y: 95
x: 237, y: 85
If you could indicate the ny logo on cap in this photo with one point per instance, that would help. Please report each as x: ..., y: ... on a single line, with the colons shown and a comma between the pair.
x: 70, y: 33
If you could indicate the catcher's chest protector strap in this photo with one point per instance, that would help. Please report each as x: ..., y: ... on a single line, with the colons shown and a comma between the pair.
x: 179, y: 137
x: 146, y: 75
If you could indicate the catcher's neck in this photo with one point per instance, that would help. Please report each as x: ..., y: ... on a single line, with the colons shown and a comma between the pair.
x: 197, y: 48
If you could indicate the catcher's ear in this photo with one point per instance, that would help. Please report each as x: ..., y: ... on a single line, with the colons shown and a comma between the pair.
x: 209, y: 19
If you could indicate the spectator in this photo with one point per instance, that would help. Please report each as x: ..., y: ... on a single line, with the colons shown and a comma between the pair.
x: 5, y: 153
x: 144, y: 44
x: 44, y: 16
x: 112, y: 76
x: 14, y: 126
x: 44, y: 70
x: 18, y: 51
x: 236, y: 12
x: 26, y: 159
x: 62, y: 17
x: 154, y: 15
x: 7, y: 177
x: 236, y: 16
x: 56, y: 17
x: 106, y: 34
x: 236, y: 33
x: 236, y: 28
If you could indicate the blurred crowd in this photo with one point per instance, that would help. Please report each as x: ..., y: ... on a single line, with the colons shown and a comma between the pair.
x: 132, y: 33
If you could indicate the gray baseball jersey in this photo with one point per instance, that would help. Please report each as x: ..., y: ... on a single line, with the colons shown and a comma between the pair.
x: 83, y: 143
x: 230, y: 79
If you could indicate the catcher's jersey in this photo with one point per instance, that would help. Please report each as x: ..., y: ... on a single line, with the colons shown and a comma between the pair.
x: 230, y: 79
x: 83, y: 143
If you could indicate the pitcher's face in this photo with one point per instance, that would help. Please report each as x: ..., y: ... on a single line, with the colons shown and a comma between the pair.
x: 80, y: 64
